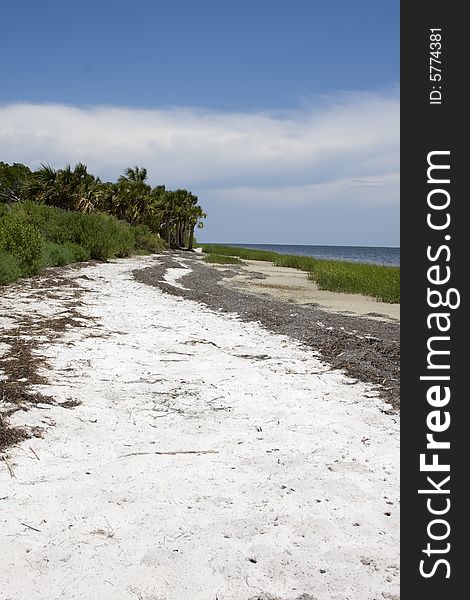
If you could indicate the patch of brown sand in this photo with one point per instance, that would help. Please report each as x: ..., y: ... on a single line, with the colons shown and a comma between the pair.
x: 285, y: 283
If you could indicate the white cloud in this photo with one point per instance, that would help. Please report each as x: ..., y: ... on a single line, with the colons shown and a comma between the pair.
x: 333, y: 149
x: 366, y: 192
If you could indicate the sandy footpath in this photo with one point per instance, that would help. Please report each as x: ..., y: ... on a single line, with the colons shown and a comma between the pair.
x: 209, y: 459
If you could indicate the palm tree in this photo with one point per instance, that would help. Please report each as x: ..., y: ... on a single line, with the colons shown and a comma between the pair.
x: 65, y: 188
x: 196, y: 215
x: 136, y: 174
x: 180, y: 215
x: 42, y: 185
x: 81, y: 187
x: 173, y: 214
x: 168, y: 210
x: 133, y: 194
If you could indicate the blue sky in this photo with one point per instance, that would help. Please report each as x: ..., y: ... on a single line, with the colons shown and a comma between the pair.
x: 281, y: 116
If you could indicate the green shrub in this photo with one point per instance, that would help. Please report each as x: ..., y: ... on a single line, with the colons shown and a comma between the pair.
x: 79, y: 253
x: 34, y: 236
x: 99, y: 236
x: 56, y: 255
x: 10, y: 269
x: 146, y: 240
x: 52, y: 223
x: 23, y: 241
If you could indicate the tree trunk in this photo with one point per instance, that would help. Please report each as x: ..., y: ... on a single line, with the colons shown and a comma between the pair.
x: 191, y: 238
x: 177, y: 234
x: 167, y: 232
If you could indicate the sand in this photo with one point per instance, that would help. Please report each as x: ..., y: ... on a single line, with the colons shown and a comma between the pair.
x: 367, y: 349
x: 208, y: 459
x: 293, y: 285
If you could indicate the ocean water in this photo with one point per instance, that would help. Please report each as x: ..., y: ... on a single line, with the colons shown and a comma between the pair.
x: 365, y: 254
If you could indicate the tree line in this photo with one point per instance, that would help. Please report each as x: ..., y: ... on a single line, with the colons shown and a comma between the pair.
x: 172, y: 214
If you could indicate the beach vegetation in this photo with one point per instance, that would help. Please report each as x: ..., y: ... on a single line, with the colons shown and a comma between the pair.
x: 13, y: 179
x: 22, y: 241
x: 53, y: 217
x: 222, y: 259
x: 172, y: 215
x: 10, y: 269
x: 34, y: 236
x: 246, y: 253
x: 377, y: 281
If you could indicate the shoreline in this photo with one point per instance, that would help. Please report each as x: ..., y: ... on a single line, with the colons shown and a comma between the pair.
x: 179, y: 451
x: 365, y: 347
x: 293, y: 285
x: 379, y: 282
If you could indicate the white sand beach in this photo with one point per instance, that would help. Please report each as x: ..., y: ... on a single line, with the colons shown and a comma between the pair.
x: 209, y: 459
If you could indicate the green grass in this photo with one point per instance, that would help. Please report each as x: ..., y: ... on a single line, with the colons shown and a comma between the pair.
x: 246, y: 253
x: 34, y: 236
x: 378, y: 281
x: 303, y: 263
x: 222, y: 259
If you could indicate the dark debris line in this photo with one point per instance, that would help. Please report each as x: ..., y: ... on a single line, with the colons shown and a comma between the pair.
x: 373, y: 359
x: 22, y: 362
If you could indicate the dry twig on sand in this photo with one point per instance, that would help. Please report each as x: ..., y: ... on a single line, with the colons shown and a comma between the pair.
x: 12, y: 474
x: 171, y: 453
x: 32, y: 450
x: 29, y: 527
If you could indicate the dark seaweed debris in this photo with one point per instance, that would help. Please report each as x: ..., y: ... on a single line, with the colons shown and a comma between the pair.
x: 366, y: 349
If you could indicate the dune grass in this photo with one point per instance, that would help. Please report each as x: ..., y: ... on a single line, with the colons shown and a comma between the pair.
x: 222, y: 259
x: 246, y: 253
x: 377, y: 281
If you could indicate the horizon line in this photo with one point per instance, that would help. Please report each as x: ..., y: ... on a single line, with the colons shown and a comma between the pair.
x: 292, y: 244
